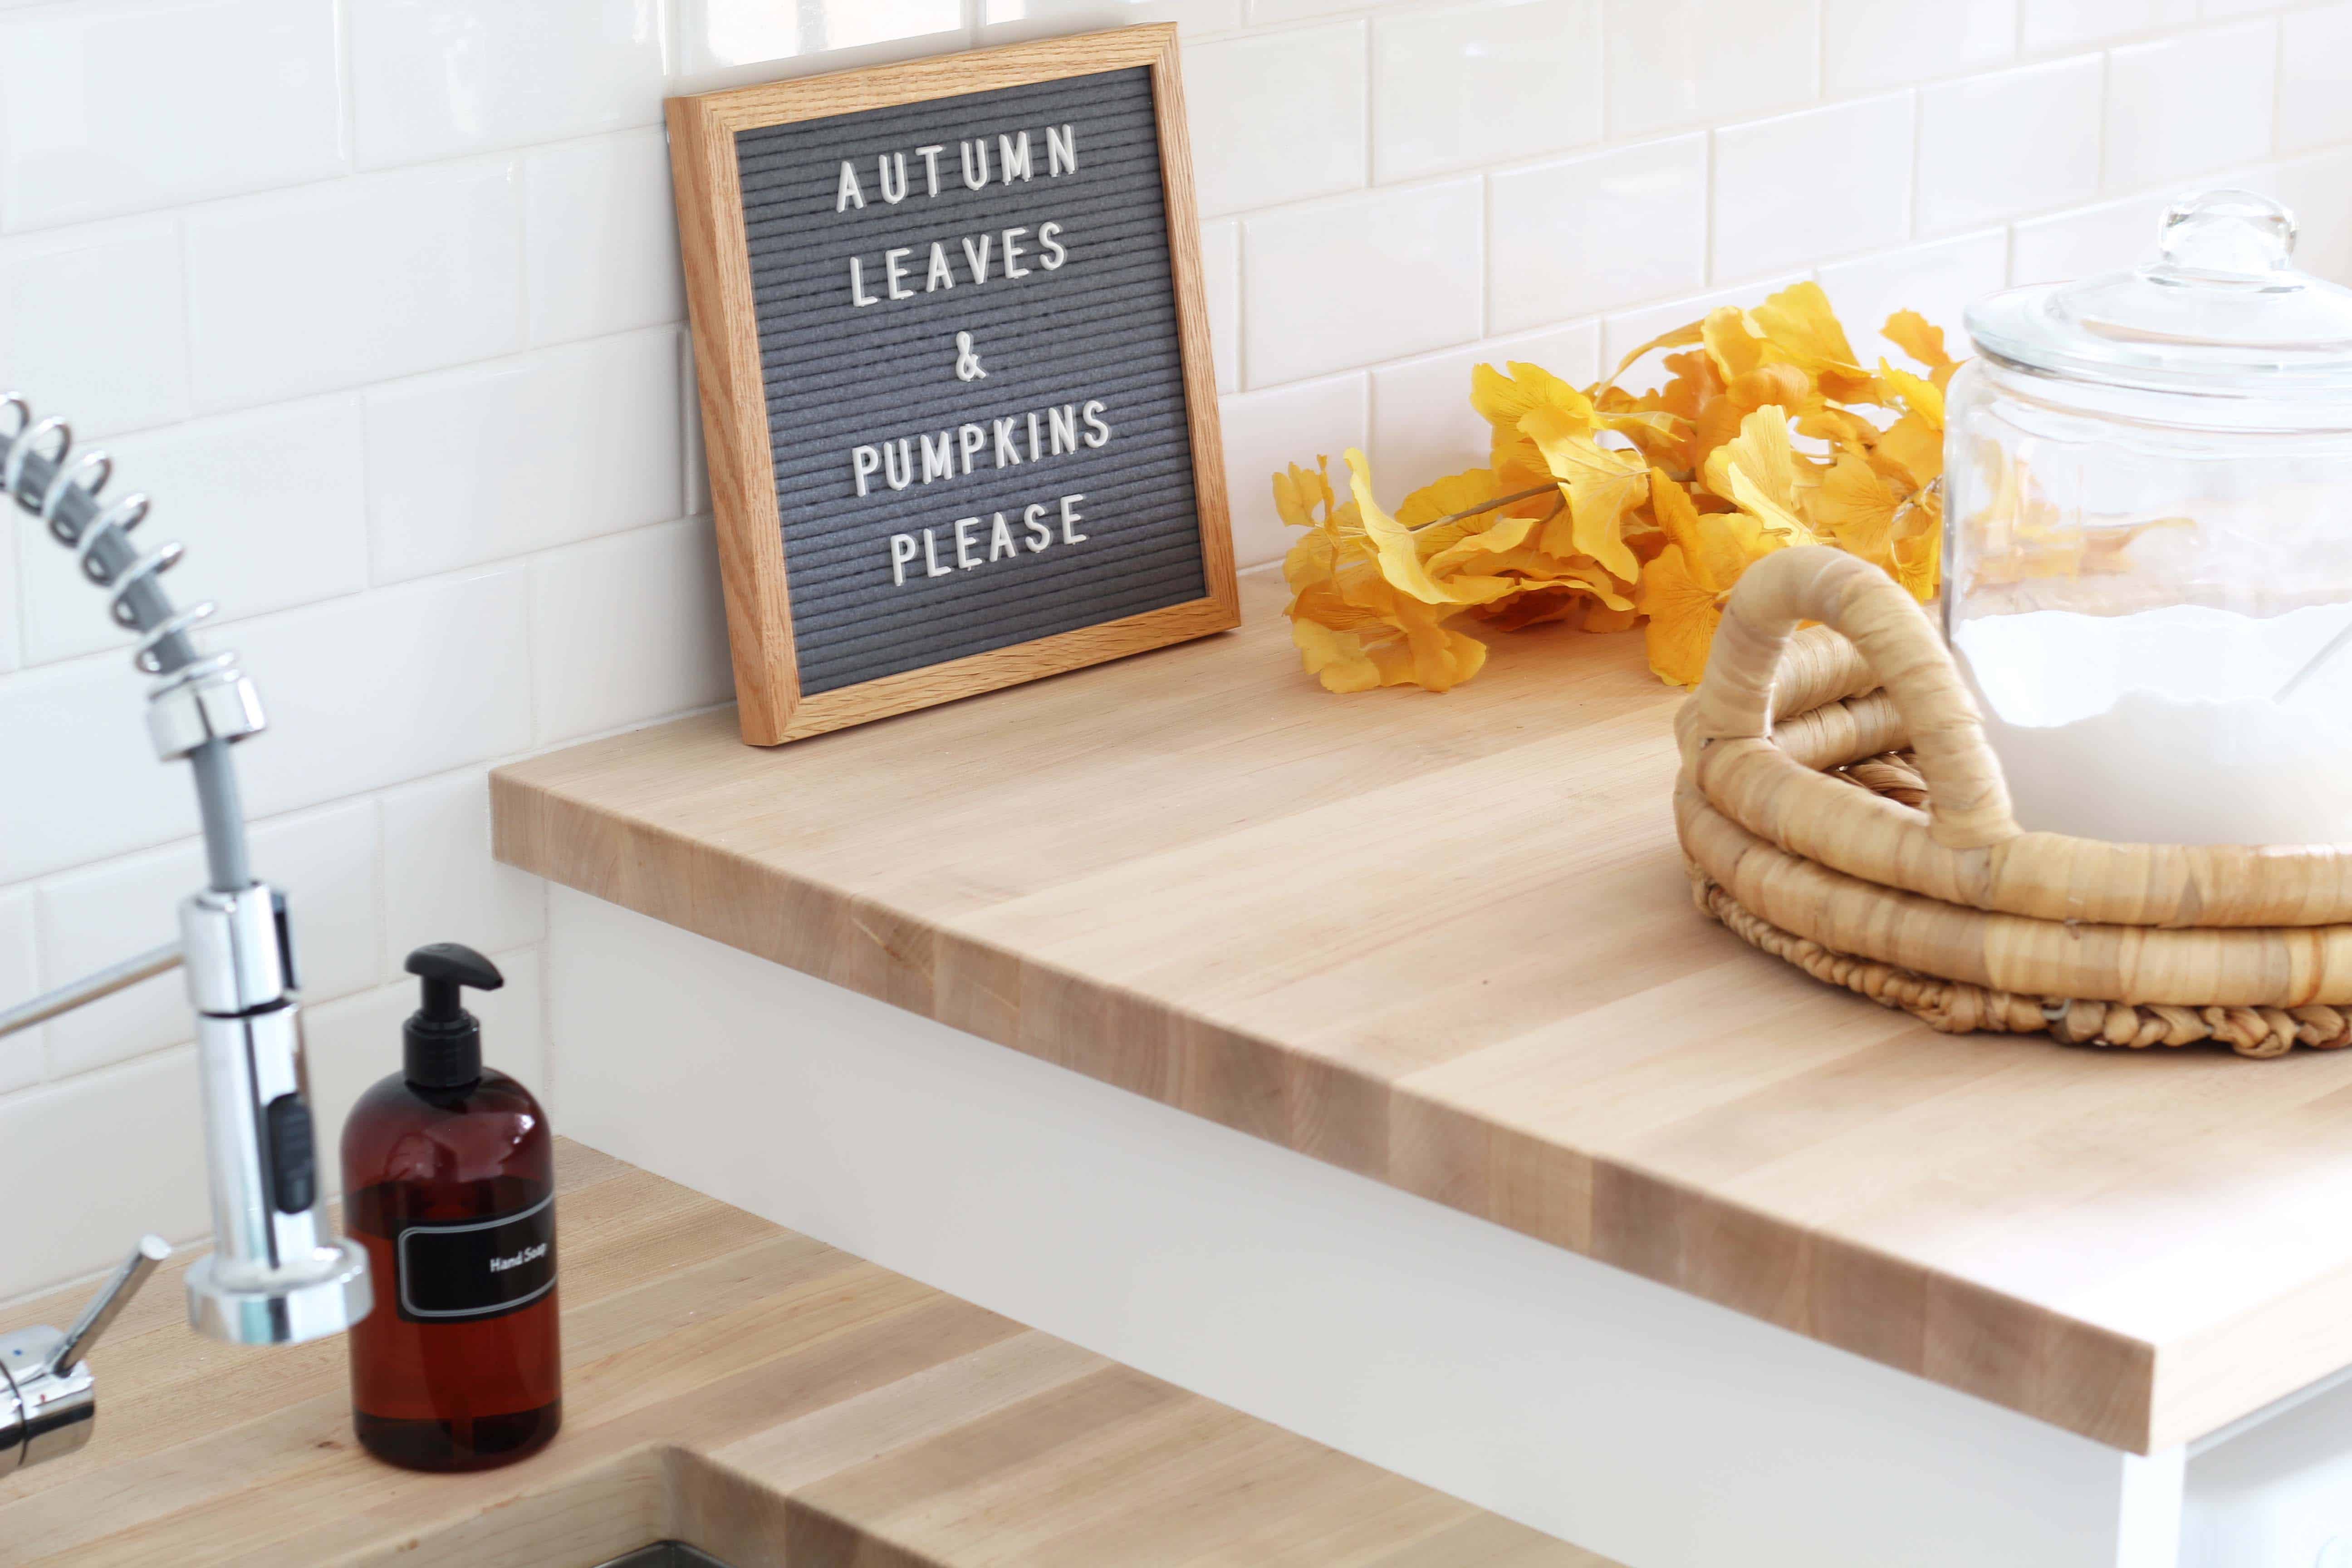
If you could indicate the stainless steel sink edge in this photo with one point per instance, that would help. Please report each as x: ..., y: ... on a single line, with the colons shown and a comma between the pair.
x: 665, y: 1555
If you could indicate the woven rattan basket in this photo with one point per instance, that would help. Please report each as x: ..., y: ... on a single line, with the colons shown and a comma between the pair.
x: 1839, y: 808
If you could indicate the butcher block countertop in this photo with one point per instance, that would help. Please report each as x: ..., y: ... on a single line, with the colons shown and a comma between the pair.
x: 1447, y: 943
x: 735, y: 1385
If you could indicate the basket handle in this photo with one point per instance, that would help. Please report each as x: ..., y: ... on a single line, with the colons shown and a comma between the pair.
x: 1968, y: 799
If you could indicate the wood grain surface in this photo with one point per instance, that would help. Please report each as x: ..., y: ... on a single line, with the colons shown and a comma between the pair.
x: 736, y: 1385
x: 1447, y: 941
x: 724, y: 320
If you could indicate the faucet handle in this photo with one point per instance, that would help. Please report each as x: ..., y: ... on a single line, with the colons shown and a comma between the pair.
x: 108, y: 1304
x: 48, y: 1397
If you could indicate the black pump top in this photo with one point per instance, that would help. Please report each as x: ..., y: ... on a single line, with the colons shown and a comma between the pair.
x: 442, y: 1042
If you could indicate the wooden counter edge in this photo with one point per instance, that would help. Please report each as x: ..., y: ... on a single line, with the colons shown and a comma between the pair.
x: 2078, y: 1376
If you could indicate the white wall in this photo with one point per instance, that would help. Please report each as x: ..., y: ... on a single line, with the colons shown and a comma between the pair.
x: 379, y: 300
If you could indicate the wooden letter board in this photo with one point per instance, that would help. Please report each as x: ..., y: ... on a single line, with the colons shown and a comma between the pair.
x: 953, y: 357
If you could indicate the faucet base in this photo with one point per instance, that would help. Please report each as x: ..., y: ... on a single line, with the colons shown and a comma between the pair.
x: 285, y: 1307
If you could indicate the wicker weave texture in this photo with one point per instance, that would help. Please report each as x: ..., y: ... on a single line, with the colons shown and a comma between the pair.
x: 1839, y: 807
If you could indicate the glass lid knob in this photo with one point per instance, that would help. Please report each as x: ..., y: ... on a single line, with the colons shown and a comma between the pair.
x: 2223, y: 236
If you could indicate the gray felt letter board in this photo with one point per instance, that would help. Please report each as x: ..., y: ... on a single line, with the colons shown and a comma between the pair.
x: 956, y: 388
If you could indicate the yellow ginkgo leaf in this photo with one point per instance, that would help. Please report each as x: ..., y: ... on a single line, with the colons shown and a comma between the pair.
x: 1506, y: 400
x: 1679, y: 522
x: 1680, y: 338
x: 1781, y: 384
x: 1857, y: 507
x: 1400, y: 560
x: 1471, y: 552
x: 1898, y: 533
x: 1298, y: 491
x: 1801, y: 324
x: 1603, y: 485
x: 1684, y: 613
x: 1919, y: 396
x: 1912, y: 448
x: 1733, y: 341
x: 1444, y: 498
x: 1757, y: 471
x: 1924, y: 341
x: 1335, y: 658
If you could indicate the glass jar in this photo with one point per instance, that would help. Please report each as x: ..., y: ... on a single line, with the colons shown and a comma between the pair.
x: 2148, y: 546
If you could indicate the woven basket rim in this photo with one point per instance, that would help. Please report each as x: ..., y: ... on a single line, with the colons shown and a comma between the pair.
x: 2127, y: 943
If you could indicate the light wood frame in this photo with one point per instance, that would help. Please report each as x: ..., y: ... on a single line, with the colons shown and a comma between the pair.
x: 733, y: 395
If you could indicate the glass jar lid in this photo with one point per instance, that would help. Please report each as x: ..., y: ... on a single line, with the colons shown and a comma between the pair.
x: 2220, y: 311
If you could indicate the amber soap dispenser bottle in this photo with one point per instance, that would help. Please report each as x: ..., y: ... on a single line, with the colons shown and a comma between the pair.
x: 449, y: 1182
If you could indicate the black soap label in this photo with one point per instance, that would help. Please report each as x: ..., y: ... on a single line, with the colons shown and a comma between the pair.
x: 479, y: 1270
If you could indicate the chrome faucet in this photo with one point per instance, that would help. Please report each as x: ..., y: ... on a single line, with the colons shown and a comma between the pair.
x: 277, y: 1274
x: 48, y: 1399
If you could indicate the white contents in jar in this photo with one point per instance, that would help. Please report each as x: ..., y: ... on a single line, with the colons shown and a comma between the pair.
x: 2164, y: 727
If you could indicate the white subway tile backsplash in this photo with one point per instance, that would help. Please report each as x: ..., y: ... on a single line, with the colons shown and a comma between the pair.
x: 432, y: 78
x: 440, y: 883
x: 134, y: 1142
x: 2316, y: 78
x: 20, y: 981
x: 1221, y: 273
x: 1011, y: 21
x: 354, y: 281
x: 2186, y: 105
x: 728, y: 42
x: 1363, y: 278
x: 1296, y: 10
x: 326, y: 862
x: 93, y: 325
x: 1484, y: 83
x: 84, y: 781
x: 1939, y: 280
x: 1423, y: 424
x: 546, y: 447
x: 1591, y: 234
x: 2086, y: 241
x: 1265, y: 430
x: 1276, y: 118
x: 1674, y: 62
x: 1852, y: 166
x: 270, y: 505
x: 2011, y: 141
x: 628, y: 629
x: 11, y: 638
x: 125, y: 107
x: 387, y: 687
x: 600, y: 237
x: 1869, y: 45
x: 2314, y: 188
x: 2048, y: 26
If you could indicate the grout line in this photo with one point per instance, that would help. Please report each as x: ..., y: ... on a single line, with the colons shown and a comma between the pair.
x: 2106, y: 102
x: 347, y: 110
x: 1706, y: 214
x: 2278, y: 86
x: 1912, y: 166
x: 182, y: 269
x: 1486, y: 256
x: 1241, y: 306
x: 665, y: 19
x: 383, y: 962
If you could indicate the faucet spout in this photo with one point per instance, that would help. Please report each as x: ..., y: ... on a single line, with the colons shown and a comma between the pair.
x: 277, y: 1274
